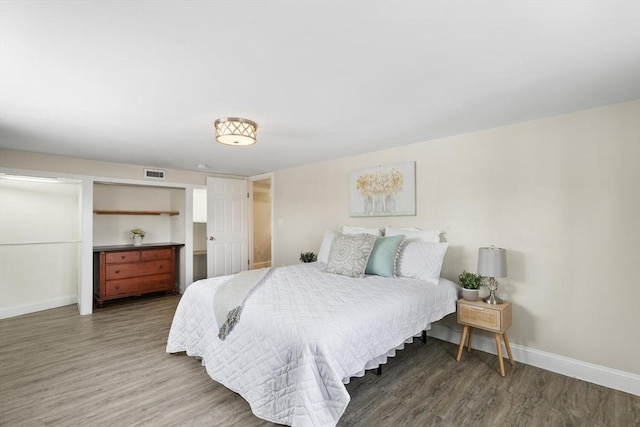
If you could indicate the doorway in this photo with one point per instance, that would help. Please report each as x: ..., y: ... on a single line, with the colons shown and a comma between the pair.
x: 199, y: 234
x: 261, y: 208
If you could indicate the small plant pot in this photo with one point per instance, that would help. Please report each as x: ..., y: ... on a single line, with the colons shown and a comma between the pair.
x: 470, y: 294
x: 137, y: 240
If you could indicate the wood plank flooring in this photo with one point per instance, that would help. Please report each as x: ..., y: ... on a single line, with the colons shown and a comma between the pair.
x: 58, y: 368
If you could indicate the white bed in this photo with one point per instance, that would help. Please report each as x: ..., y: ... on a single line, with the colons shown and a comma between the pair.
x: 303, y: 333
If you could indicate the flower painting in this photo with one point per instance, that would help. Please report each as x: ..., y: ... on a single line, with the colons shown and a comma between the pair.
x: 383, y: 191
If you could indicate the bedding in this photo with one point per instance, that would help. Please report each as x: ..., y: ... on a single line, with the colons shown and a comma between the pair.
x: 414, y: 234
x: 384, y: 256
x: 303, y: 334
x: 422, y: 260
x: 350, y: 253
x: 325, y: 246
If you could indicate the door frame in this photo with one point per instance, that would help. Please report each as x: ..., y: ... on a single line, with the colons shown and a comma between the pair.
x: 250, y: 180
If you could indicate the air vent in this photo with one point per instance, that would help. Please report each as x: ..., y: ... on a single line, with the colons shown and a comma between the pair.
x: 154, y: 174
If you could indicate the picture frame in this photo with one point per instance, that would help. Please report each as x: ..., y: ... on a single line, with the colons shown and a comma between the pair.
x: 383, y: 191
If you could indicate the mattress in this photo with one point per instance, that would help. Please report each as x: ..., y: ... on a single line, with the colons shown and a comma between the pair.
x: 303, y: 333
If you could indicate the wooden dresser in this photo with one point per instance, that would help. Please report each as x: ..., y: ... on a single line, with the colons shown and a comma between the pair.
x: 126, y: 270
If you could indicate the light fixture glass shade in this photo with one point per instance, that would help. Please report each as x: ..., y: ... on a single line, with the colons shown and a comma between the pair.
x: 235, y: 131
x: 492, y: 262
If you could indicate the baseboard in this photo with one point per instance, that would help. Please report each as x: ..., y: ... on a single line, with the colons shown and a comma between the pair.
x: 6, y: 313
x: 596, y: 374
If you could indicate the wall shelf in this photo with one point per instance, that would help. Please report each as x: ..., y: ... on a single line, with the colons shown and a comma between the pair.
x: 120, y: 212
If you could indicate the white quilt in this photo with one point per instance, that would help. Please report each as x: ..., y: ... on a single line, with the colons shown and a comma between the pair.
x: 303, y: 334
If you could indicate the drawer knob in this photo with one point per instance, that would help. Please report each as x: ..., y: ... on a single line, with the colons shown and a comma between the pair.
x: 123, y: 256
x: 117, y: 271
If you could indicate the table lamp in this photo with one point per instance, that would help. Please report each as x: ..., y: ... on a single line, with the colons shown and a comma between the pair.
x: 492, y: 263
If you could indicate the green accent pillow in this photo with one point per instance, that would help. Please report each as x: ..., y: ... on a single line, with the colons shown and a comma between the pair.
x: 384, y: 255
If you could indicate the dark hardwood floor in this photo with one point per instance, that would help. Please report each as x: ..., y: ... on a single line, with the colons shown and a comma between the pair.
x: 58, y: 368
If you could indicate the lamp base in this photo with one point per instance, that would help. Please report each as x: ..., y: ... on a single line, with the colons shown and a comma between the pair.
x: 492, y: 298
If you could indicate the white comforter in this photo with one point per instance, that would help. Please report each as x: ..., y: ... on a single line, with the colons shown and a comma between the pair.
x: 303, y: 333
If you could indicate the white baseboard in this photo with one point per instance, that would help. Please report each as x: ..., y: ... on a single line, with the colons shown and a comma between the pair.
x: 5, y: 313
x: 596, y: 374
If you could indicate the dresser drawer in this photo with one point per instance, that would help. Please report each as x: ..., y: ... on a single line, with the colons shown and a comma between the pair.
x: 154, y: 254
x: 481, y: 317
x: 159, y: 282
x: 121, y: 287
x: 122, y: 271
x: 138, y: 285
x: 116, y: 257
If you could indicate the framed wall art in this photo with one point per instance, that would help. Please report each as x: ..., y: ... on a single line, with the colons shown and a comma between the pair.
x: 383, y: 191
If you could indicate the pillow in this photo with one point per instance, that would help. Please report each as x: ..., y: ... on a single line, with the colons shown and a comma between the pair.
x: 414, y: 234
x: 359, y: 230
x: 384, y: 256
x: 325, y: 246
x: 422, y: 260
x: 349, y: 254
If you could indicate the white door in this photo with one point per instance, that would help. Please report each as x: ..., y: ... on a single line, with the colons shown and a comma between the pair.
x: 227, y: 226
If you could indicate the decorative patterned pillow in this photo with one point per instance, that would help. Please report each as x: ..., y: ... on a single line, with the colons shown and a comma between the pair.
x: 349, y: 254
x: 384, y: 256
x: 422, y: 260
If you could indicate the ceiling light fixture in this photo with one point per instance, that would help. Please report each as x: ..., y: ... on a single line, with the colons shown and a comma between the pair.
x: 235, y: 131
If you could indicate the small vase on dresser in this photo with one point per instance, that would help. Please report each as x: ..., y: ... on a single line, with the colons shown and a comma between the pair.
x: 137, y: 235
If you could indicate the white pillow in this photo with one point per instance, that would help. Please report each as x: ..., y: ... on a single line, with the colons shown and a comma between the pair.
x: 414, y: 234
x: 360, y: 230
x: 422, y: 260
x: 325, y: 246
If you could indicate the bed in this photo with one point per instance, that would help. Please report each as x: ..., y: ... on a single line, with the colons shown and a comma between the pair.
x: 304, y: 333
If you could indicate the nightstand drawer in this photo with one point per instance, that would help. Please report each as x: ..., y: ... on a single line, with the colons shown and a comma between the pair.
x: 495, y: 318
x: 481, y: 317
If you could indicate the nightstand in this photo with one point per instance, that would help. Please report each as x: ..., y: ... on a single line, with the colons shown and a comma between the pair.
x: 489, y: 317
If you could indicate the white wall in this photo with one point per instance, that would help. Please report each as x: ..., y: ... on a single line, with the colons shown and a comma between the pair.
x: 116, y: 229
x: 39, y: 245
x: 561, y: 194
x: 200, y: 205
x: 90, y: 171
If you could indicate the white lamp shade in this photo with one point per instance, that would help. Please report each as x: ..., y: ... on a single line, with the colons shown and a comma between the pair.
x: 492, y: 262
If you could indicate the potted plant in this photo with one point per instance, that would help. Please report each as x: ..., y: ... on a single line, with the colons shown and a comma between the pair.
x: 308, y: 257
x: 470, y: 283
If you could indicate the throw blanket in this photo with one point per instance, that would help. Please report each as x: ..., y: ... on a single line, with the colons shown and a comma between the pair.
x: 230, y: 298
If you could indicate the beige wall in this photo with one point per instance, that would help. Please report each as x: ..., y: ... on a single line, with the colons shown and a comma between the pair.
x: 69, y: 165
x: 561, y: 194
x: 261, y: 227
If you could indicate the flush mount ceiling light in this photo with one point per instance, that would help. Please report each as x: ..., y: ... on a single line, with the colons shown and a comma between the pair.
x: 235, y: 131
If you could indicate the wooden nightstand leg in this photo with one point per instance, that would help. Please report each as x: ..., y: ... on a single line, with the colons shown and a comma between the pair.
x: 506, y: 344
x: 499, y: 348
x: 465, y: 330
x: 470, y: 339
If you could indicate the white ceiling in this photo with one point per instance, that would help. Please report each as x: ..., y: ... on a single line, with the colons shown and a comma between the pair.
x: 142, y: 82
